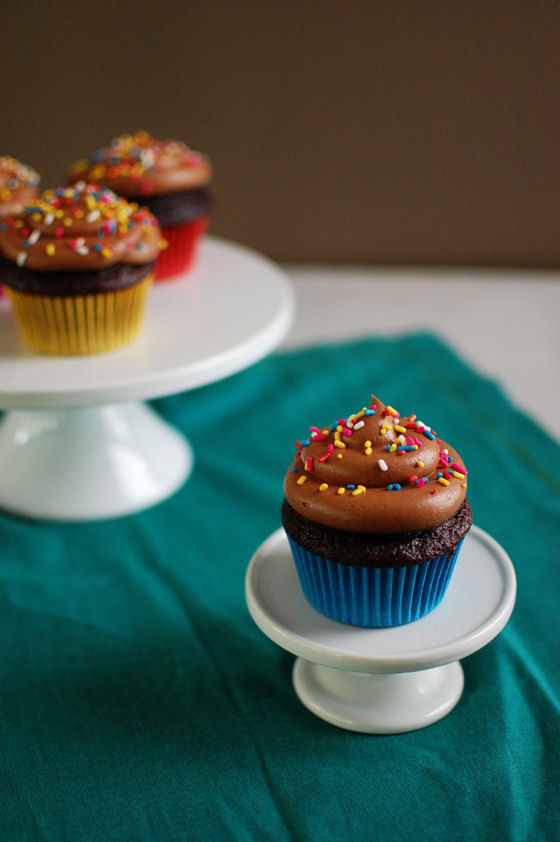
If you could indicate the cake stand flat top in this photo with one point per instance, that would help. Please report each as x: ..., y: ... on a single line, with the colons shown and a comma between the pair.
x: 475, y: 608
x: 229, y: 311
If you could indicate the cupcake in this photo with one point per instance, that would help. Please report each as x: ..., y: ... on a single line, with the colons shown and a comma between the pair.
x: 375, y: 513
x: 170, y: 179
x: 18, y: 185
x: 77, y: 265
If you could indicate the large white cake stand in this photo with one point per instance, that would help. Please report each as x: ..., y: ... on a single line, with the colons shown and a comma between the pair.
x: 78, y: 443
x: 383, y: 681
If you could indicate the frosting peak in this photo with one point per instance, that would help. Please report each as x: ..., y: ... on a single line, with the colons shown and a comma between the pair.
x: 79, y: 228
x: 138, y: 165
x: 376, y: 471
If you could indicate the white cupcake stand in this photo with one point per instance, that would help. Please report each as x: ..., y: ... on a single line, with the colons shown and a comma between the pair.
x: 77, y: 443
x: 383, y: 681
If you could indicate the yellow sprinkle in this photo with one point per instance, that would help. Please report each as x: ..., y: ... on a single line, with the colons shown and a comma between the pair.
x: 415, y: 447
x: 463, y: 485
x: 163, y: 244
x: 58, y: 213
x: 338, y: 443
x: 106, y: 252
x: 443, y: 481
x: 325, y: 432
x: 78, y: 213
x: 393, y: 448
x: 369, y: 451
x: 301, y: 480
x: 359, y: 415
x: 391, y: 410
x: 36, y: 217
x: 367, y: 443
x: 50, y: 249
x: 5, y: 194
x: 339, y: 429
x: 341, y: 490
x: 457, y: 475
x: 420, y: 463
x: 400, y: 429
x: 323, y: 486
x: 67, y: 222
x: 18, y: 223
x: 359, y: 490
x: 339, y: 455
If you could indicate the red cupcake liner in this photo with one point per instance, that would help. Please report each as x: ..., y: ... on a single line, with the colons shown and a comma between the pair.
x: 181, y: 251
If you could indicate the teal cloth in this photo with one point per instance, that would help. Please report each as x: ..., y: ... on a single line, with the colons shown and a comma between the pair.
x: 138, y: 700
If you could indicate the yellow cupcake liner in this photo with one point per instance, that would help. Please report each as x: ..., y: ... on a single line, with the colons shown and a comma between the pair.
x: 80, y: 324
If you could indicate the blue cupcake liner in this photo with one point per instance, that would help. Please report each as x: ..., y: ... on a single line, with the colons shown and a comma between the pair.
x: 373, y: 597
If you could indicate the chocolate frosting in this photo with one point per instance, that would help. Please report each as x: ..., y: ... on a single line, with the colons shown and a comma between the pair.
x: 80, y: 228
x: 18, y: 185
x: 376, y: 472
x: 138, y: 165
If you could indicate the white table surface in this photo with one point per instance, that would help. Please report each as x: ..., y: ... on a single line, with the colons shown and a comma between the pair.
x: 504, y: 323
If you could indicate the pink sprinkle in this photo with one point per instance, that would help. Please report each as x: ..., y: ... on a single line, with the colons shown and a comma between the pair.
x: 409, y: 440
x: 59, y: 232
x: 418, y: 442
x: 309, y: 463
x: 421, y: 482
x: 330, y: 448
x: 146, y: 188
x: 458, y: 468
x: 346, y: 431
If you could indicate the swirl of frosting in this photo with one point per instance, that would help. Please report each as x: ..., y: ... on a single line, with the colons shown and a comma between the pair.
x: 80, y: 228
x: 139, y: 165
x: 376, y: 472
x: 18, y: 185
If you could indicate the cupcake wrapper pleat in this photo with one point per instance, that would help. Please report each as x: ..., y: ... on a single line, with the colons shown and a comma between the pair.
x: 373, y: 597
x: 181, y: 250
x: 80, y: 324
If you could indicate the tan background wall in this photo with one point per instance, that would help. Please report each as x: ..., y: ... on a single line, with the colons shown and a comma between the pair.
x: 383, y: 132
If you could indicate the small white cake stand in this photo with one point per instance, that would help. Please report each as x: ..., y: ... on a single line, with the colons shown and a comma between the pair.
x: 78, y: 443
x: 383, y: 681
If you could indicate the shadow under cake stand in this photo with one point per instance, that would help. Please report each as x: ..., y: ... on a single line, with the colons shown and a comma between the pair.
x: 383, y: 681
x: 78, y: 443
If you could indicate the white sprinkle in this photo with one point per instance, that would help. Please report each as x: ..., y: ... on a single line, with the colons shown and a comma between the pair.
x: 445, y: 450
x: 49, y: 219
x: 382, y: 464
x: 402, y: 439
x: 33, y: 237
x: 21, y: 258
x: 82, y: 250
x: 359, y: 425
x: 95, y: 214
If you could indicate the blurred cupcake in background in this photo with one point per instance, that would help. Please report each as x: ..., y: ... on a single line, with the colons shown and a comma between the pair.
x: 166, y: 176
x: 77, y: 264
x: 19, y: 185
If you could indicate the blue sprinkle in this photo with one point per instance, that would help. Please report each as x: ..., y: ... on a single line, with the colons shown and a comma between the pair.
x: 304, y: 442
x: 429, y: 435
x: 333, y: 426
x: 369, y: 411
x: 294, y: 469
x: 97, y: 247
x: 388, y: 447
x: 405, y: 447
x: 350, y: 487
x: 394, y: 487
x: 439, y: 475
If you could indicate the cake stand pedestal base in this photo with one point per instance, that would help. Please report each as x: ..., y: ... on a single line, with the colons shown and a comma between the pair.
x: 378, y: 704
x: 389, y: 680
x: 89, y: 463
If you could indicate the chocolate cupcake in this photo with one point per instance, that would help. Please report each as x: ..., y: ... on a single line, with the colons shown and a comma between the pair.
x: 77, y: 265
x: 170, y: 179
x: 375, y: 512
x: 18, y: 185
